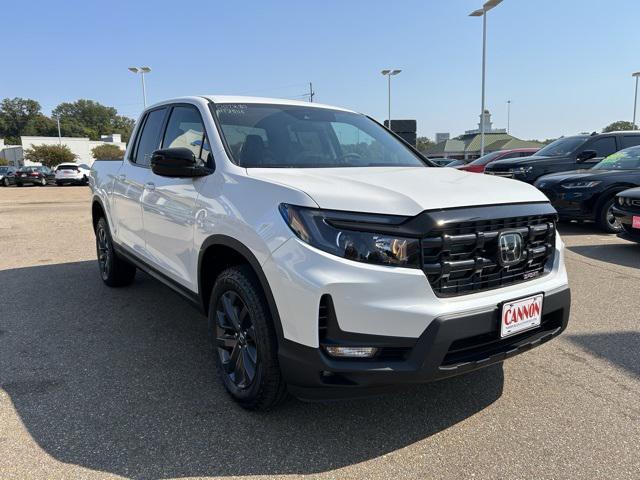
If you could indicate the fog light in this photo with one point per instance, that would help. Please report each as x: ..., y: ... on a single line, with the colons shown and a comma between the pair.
x: 352, y: 352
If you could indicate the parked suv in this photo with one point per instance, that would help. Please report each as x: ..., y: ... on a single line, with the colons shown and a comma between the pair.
x: 330, y: 257
x: 72, y: 174
x: 566, y: 153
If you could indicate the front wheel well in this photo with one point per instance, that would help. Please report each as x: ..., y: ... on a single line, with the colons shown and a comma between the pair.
x: 218, y: 254
x: 97, y: 212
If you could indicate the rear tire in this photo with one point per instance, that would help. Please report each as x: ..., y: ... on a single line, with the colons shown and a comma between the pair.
x: 605, y: 219
x: 244, y: 340
x: 114, y: 271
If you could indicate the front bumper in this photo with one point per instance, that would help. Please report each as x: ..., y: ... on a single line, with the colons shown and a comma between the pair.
x: 450, y: 345
x: 572, y: 205
x: 626, y: 219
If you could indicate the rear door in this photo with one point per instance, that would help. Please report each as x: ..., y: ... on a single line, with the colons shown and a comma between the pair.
x: 169, y: 204
x: 130, y: 182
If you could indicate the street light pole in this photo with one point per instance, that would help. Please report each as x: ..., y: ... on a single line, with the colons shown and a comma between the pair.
x: 142, y: 71
x: 482, y: 12
x: 389, y: 73
x: 508, y: 115
x: 635, y: 101
x: 59, y: 132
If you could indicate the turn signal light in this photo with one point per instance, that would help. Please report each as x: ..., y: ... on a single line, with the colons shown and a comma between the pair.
x: 351, y: 352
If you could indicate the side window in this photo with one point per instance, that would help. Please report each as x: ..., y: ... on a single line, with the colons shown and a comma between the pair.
x: 630, y: 141
x: 603, y: 146
x: 185, y: 129
x: 149, y: 139
x: 511, y: 155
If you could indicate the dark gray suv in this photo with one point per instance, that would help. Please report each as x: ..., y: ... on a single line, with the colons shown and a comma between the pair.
x: 567, y: 153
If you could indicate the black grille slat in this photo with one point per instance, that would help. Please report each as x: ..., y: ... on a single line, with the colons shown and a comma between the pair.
x: 462, y: 258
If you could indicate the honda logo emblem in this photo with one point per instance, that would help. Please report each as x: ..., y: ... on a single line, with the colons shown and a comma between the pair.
x: 510, y: 248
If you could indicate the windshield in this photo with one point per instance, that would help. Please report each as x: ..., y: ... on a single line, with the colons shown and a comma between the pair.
x: 285, y: 136
x: 628, y: 159
x: 486, y: 158
x: 562, y: 146
x: 4, y: 169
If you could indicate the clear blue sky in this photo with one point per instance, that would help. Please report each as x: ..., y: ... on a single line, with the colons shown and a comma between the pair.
x: 565, y: 64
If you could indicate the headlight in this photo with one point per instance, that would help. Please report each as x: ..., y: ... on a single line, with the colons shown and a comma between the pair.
x: 580, y: 184
x: 324, y: 230
x: 521, y: 170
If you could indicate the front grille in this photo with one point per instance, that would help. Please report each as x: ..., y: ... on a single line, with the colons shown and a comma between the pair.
x: 462, y: 257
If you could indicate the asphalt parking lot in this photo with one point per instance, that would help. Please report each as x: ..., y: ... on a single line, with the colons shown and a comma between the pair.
x: 104, y: 383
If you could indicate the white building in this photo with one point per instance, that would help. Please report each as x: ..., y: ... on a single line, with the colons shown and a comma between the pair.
x: 80, y: 146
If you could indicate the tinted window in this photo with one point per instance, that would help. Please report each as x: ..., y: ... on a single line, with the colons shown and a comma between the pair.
x: 185, y: 129
x: 278, y: 136
x: 630, y: 140
x: 67, y: 167
x: 149, y: 139
x: 603, y: 146
x: 485, y: 159
x: 562, y: 146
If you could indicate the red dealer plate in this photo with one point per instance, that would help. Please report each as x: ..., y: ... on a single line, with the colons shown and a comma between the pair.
x: 636, y: 222
x: 520, y: 315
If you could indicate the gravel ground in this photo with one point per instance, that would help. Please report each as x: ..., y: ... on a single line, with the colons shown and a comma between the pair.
x: 106, y: 383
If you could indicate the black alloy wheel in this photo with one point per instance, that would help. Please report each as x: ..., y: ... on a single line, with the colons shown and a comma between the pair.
x: 236, y: 340
x: 103, y: 248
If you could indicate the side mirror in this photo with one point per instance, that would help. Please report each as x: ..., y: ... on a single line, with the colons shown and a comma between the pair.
x: 177, y: 162
x: 587, y: 155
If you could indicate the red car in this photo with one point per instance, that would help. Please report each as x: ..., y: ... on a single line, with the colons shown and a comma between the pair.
x: 478, y: 164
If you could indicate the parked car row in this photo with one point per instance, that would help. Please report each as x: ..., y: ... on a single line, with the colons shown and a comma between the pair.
x: 63, y: 174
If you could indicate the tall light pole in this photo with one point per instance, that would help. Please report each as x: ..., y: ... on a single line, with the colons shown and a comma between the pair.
x: 508, y: 115
x: 389, y: 74
x: 635, y: 101
x: 482, y: 12
x: 142, y: 71
x: 59, y: 132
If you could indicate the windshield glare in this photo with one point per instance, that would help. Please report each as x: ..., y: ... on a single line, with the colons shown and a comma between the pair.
x: 562, y: 146
x: 628, y: 159
x: 285, y: 136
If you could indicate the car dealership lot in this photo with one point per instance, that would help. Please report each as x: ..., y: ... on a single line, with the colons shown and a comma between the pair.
x: 105, y: 383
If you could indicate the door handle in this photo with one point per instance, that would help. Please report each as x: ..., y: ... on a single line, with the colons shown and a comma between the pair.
x: 122, y: 177
x: 150, y: 186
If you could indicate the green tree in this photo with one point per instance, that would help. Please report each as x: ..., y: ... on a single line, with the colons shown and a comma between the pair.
x: 50, y: 155
x: 424, y: 143
x: 3, y: 161
x: 15, y: 115
x: 620, y: 125
x: 107, y: 152
x: 87, y: 118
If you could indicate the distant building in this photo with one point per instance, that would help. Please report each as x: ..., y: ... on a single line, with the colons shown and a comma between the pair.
x: 467, y: 146
x: 11, y: 153
x: 80, y: 146
x: 443, y: 136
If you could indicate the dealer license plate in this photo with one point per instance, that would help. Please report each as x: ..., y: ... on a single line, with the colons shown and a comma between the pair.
x: 520, y: 315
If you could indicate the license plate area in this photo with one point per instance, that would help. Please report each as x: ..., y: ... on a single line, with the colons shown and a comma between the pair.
x: 636, y: 222
x: 519, y: 315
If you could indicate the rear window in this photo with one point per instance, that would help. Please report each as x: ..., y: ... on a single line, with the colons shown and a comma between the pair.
x: 67, y: 167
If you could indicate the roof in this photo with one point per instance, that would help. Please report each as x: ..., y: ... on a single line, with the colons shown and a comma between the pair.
x: 245, y: 99
x: 471, y: 143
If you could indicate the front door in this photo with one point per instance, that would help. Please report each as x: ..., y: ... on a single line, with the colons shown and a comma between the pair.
x: 169, y: 204
x: 130, y: 183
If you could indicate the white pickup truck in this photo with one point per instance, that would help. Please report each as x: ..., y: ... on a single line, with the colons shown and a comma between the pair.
x: 330, y: 257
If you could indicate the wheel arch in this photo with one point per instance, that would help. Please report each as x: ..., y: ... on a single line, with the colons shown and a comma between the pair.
x: 219, y: 252
x: 98, y: 211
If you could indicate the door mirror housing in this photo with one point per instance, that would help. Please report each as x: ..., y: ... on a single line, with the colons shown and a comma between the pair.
x: 177, y: 162
x: 587, y: 155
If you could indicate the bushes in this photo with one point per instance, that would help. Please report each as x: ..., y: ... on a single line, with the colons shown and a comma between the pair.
x: 107, y: 152
x: 49, y: 155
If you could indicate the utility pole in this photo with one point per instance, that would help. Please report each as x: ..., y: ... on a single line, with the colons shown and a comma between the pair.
x: 508, y: 115
x: 59, y: 133
x: 311, y: 92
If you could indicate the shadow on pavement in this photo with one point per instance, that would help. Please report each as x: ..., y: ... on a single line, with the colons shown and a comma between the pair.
x: 121, y: 381
x: 620, y: 348
x: 584, y: 228
x: 623, y: 254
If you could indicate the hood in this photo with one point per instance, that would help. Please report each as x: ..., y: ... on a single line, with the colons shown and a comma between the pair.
x: 579, y: 175
x: 511, y: 162
x: 399, y: 190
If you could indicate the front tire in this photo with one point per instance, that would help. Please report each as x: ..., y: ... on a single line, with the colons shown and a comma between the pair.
x: 43, y: 182
x: 114, y: 271
x: 605, y: 218
x: 244, y: 340
x: 5, y: 182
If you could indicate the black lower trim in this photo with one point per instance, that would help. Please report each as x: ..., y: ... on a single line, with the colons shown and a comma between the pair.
x: 449, y: 346
x: 193, y: 297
